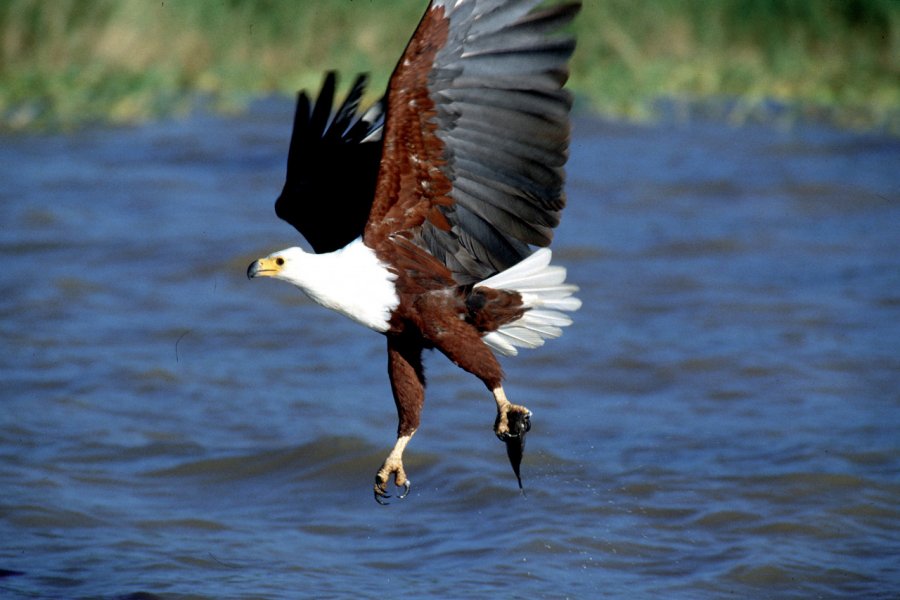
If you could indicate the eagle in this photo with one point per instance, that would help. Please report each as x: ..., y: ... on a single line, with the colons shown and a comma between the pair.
x: 430, y: 214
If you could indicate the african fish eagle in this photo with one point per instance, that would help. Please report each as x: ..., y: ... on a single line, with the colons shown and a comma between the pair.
x: 456, y: 177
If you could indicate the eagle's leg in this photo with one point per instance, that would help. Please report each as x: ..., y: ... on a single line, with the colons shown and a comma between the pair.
x: 408, y: 386
x: 469, y: 352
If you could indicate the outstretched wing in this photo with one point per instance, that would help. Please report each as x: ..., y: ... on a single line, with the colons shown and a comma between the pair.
x: 332, y: 167
x: 476, y: 136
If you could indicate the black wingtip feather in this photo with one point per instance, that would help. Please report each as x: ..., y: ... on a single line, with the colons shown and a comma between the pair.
x: 325, y: 100
x: 332, y: 167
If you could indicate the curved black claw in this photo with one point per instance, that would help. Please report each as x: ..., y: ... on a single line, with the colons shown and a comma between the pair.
x: 519, y: 425
x: 405, y: 493
x: 381, y: 495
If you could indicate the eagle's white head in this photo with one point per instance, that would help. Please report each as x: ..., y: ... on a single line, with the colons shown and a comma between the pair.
x: 287, y: 264
x: 352, y: 280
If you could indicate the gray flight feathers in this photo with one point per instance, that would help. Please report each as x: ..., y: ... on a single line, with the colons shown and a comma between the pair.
x: 504, y: 120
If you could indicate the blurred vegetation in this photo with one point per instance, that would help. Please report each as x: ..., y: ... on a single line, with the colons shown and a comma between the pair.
x: 69, y: 62
x: 832, y: 59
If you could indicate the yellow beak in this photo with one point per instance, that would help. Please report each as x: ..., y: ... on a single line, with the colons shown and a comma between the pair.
x: 264, y: 267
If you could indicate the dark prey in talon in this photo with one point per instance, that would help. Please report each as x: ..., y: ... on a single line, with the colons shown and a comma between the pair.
x: 519, y: 425
x: 429, y: 215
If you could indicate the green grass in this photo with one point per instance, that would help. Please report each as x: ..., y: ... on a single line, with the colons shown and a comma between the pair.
x: 65, y: 63
x: 838, y: 59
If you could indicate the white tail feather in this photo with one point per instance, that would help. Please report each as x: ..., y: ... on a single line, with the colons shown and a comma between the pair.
x: 544, y: 293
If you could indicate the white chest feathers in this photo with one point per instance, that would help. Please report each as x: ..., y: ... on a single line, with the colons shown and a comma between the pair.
x: 351, y: 281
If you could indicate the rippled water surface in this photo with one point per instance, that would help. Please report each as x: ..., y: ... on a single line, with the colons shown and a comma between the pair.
x: 721, y: 420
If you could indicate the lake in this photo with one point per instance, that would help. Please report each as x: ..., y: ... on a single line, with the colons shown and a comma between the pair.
x: 721, y: 420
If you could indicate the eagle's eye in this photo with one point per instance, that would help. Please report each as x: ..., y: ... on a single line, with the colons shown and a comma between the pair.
x: 279, y: 261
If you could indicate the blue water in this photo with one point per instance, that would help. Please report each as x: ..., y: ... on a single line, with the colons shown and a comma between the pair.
x: 720, y: 421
